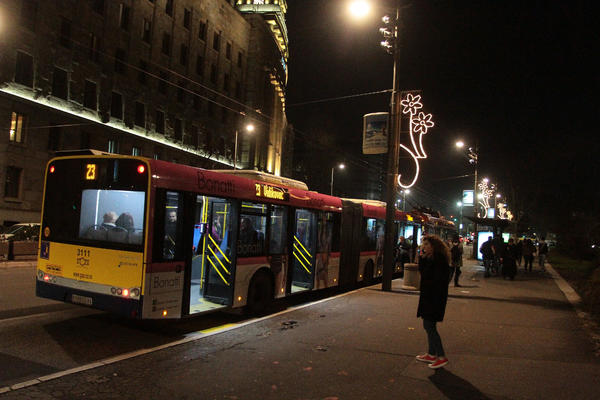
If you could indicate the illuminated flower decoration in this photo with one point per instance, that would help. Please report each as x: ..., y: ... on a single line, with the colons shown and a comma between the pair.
x: 411, y: 104
x: 422, y: 122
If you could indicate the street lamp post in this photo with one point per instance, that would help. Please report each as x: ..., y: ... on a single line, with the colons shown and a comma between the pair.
x: 391, y: 44
x: 404, y: 193
x: 473, y: 155
x: 392, y: 170
x: 340, y: 166
x: 249, y: 128
x: 459, y: 204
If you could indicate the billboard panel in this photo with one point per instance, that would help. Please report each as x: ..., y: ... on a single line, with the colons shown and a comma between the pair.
x: 375, y: 133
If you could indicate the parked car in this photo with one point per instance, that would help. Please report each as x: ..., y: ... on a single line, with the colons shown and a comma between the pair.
x: 24, y: 231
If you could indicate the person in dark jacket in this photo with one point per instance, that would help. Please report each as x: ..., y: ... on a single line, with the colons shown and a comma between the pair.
x: 456, y: 253
x: 509, y: 262
x: 435, y: 272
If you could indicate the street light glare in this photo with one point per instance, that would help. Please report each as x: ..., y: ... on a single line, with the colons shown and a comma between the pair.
x: 342, y: 166
x: 250, y: 128
x: 460, y: 144
x: 359, y: 8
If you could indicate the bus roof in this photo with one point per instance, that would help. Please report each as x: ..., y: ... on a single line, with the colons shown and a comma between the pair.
x: 264, y: 177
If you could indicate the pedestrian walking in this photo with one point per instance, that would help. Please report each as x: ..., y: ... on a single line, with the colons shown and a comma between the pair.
x: 487, y: 251
x: 542, y: 253
x: 509, y: 261
x: 435, y: 270
x: 519, y: 248
x: 528, y: 251
x: 456, y: 253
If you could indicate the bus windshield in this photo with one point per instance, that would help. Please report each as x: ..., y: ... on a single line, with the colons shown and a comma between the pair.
x: 97, y: 202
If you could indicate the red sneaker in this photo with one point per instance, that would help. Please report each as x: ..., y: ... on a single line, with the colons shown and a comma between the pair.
x: 426, y: 358
x: 439, y: 363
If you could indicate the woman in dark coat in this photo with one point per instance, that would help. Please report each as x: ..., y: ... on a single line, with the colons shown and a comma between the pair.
x: 435, y: 272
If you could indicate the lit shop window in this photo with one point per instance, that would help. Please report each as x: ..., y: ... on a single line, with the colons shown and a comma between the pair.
x: 16, y: 127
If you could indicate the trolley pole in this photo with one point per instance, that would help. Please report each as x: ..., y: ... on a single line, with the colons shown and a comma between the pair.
x: 392, y: 171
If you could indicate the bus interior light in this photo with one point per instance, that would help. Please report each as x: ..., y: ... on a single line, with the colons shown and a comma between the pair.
x: 141, y: 169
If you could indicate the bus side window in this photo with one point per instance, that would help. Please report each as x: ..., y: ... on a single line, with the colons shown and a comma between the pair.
x: 172, y: 238
x: 278, y: 234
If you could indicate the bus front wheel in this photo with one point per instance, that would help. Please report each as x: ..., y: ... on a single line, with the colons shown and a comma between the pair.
x: 260, y: 294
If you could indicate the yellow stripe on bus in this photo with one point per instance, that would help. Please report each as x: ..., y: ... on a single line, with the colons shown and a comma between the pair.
x: 307, y: 252
x: 220, y: 251
x: 300, y: 261
x: 299, y: 252
x: 218, y: 272
x: 217, y: 258
x: 202, y: 270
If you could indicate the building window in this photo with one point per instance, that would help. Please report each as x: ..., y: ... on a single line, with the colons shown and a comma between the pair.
x: 65, y: 33
x: 143, y: 72
x: 181, y: 89
x: 169, y: 7
x: 228, y: 51
x: 239, y: 60
x: 24, y: 69
x: 238, y: 90
x: 60, y: 84
x: 136, y: 151
x: 160, y: 122
x: 124, y: 17
x: 217, y: 41
x: 140, y: 114
x: 202, y: 31
x: 116, y: 105
x: 162, y: 82
x: 90, y: 95
x: 187, y: 18
x: 94, y: 50
x: 200, y: 65
x: 12, y: 186
x: 226, y: 83
x: 120, y: 60
x: 213, y: 73
x: 98, y: 6
x: 178, y: 130
x: 113, y: 146
x: 146, y: 30
x: 28, y: 14
x: 54, y: 138
x: 16, y: 128
x: 166, y: 44
x: 183, y: 55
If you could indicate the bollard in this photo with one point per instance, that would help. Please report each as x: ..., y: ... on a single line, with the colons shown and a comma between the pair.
x: 412, y: 278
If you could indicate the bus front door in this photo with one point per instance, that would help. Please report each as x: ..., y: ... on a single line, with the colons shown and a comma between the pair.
x: 304, y: 248
x: 213, y: 255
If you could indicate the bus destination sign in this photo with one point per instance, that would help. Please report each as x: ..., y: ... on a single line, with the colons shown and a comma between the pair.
x: 271, y: 192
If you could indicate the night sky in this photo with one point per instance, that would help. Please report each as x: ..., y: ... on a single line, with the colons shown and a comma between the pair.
x: 519, y: 77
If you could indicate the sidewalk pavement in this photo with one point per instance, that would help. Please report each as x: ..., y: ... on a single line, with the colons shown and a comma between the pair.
x: 505, y: 339
x: 17, y: 264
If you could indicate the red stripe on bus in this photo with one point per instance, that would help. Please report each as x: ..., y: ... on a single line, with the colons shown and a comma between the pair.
x: 368, y: 253
x: 252, y: 260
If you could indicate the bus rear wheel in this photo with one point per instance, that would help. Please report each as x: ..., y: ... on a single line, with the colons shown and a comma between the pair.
x: 260, y: 294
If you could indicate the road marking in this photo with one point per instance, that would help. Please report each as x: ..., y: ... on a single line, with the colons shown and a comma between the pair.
x: 190, y: 337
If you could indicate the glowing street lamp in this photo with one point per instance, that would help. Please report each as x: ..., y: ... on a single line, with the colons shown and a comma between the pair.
x: 340, y: 166
x: 359, y: 9
x: 249, y: 128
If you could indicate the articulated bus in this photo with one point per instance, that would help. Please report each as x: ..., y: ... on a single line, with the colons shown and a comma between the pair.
x: 149, y: 239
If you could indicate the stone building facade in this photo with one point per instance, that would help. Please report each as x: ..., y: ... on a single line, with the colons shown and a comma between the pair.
x: 168, y: 79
